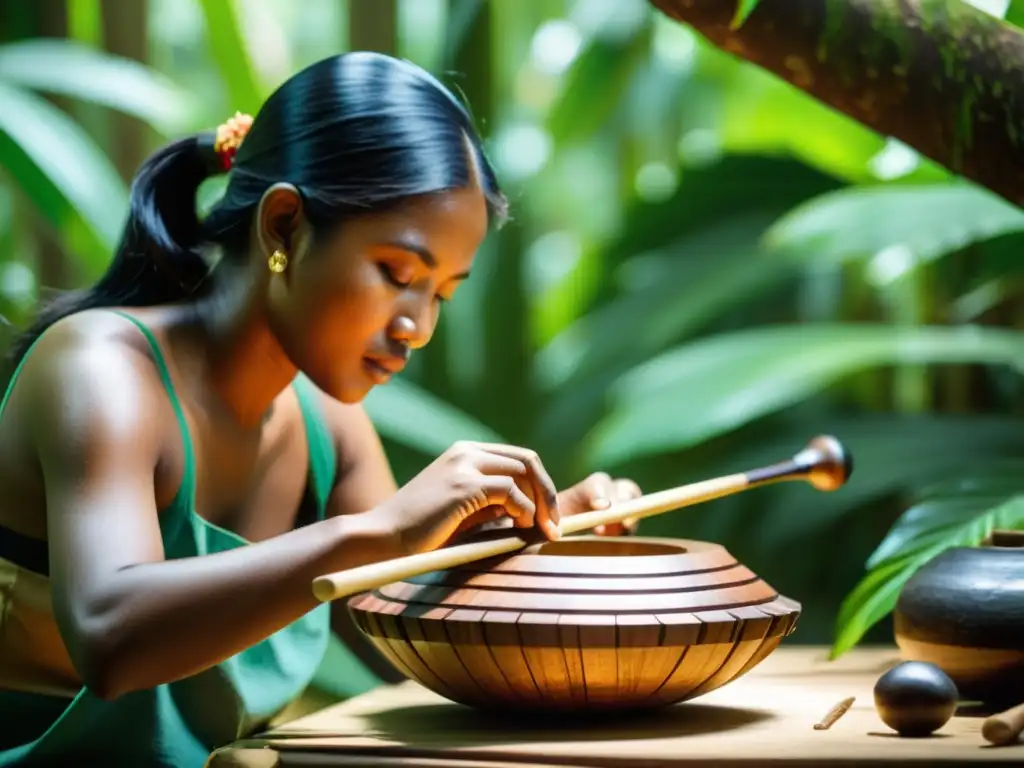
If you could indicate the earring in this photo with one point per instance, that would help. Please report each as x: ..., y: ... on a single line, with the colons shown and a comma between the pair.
x: 278, y: 261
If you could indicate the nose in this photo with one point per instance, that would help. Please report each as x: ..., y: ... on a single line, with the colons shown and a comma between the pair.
x: 411, y: 331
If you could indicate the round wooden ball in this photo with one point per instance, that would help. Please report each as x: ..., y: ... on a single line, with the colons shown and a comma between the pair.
x: 915, y: 698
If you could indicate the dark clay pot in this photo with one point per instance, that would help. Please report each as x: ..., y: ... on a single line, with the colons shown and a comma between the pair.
x: 964, y: 612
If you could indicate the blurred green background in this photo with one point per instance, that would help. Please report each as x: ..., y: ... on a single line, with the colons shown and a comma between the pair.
x: 705, y: 267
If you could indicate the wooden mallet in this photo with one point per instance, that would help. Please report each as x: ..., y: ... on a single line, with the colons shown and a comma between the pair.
x: 824, y: 463
x: 1005, y: 727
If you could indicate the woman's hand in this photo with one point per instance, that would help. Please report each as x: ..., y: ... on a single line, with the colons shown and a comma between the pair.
x: 469, y: 484
x: 600, y: 491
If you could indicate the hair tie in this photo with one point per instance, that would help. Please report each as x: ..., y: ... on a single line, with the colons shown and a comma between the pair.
x: 230, y: 136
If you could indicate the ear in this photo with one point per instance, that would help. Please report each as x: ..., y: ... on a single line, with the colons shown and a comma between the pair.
x: 280, y: 223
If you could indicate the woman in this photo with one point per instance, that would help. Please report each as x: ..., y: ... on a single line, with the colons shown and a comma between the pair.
x: 182, y: 446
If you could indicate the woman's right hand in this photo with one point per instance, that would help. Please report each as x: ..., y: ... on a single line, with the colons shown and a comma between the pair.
x: 469, y: 484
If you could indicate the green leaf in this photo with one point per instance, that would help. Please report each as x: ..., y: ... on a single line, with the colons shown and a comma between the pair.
x: 733, y: 192
x: 922, y: 533
x: 82, y: 72
x: 872, y: 600
x: 595, y: 85
x: 926, y: 525
x: 6, y: 211
x: 997, y: 477
x: 64, y: 174
x: 683, y: 291
x: 764, y: 114
x: 949, y: 506
x: 711, y: 387
x: 228, y: 48
x: 743, y: 10
x: 929, y: 220
x: 418, y: 419
x: 1015, y: 13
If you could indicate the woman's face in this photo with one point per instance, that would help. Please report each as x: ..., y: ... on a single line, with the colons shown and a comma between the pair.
x: 348, y: 311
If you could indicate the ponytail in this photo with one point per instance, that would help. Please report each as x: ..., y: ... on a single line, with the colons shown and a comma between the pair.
x: 158, y: 259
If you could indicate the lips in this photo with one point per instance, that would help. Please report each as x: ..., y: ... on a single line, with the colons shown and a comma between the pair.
x: 389, y: 364
x: 382, y: 369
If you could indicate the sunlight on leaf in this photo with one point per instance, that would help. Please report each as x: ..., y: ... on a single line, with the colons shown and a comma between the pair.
x: 923, y: 532
x: 743, y: 11
x: 1015, y: 13
x: 228, y: 48
x: 763, y: 114
x: 689, y: 291
x: 707, y: 388
x: 929, y: 220
x: 595, y: 86
x: 82, y: 72
x: 997, y: 8
x: 67, y: 177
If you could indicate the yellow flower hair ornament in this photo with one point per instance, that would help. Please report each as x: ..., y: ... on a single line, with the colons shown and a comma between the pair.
x: 229, y: 138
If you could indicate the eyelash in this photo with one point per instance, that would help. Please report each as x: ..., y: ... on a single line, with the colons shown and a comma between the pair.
x: 390, y: 277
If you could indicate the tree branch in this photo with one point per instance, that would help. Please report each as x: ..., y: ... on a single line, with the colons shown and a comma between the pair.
x: 940, y: 75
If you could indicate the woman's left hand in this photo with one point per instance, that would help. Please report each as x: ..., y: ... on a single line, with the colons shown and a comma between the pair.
x: 599, y: 491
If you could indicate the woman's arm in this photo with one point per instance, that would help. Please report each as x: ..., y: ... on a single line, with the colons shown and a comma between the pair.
x: 364, y: 481
x: 130, y: 619
x: 364, y: 476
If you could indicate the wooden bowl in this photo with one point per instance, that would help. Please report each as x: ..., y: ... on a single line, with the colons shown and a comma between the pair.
x: 964, y: 612
x: 583, y: 624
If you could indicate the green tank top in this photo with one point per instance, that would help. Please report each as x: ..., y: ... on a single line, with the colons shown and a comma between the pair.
x: 179, y: 724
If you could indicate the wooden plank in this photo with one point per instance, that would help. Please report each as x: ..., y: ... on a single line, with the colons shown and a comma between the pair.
x: 768, y: 715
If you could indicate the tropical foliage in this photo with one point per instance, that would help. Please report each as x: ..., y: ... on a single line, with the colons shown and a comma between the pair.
x: 705, y: 268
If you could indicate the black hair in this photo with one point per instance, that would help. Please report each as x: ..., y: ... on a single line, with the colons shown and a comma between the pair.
x: 354, y: 133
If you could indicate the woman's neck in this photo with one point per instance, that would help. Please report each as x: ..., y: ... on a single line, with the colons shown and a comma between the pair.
x: 247, y: 365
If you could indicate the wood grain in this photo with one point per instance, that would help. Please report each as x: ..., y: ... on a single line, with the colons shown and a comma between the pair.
x: 580, y: 625
x: 766, y: 717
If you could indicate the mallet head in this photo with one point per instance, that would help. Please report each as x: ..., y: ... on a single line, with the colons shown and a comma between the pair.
x: 829, y: 465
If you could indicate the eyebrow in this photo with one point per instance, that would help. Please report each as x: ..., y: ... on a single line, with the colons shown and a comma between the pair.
x: 424, y: 254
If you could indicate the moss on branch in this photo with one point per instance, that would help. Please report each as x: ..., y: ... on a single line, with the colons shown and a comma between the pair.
x: 939, y: 75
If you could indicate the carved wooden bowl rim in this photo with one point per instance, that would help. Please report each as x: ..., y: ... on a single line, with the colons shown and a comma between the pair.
x: 666, y: 556
x: 692, y: 584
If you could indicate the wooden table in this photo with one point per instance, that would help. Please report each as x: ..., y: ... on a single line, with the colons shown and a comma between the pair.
x: 764, y: 718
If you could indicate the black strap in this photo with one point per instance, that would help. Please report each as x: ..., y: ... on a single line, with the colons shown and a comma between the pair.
x: 25, y: 551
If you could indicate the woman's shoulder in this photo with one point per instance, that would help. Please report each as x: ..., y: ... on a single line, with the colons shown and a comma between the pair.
x: 89, y: 342
x: 92, y: 365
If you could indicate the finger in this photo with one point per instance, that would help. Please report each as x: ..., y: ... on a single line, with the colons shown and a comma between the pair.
x: 480, y: 517
x: 626, y: 489
x: 587, y: 495
x: 495, y: 464
x: 599, y: 490
x: 502, y: 491
x: 611, y: 529
x: 622, y: 528
x: 546, y: 495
